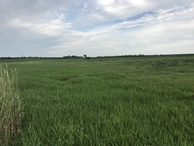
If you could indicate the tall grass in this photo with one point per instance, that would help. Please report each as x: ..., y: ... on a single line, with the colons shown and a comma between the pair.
x: 10, y: 105
x: 110, y: 101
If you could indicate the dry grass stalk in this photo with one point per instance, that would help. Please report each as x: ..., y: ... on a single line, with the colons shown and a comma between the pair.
x: 10, y: 105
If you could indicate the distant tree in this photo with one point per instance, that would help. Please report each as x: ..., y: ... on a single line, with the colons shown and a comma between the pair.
x: 85, y: 56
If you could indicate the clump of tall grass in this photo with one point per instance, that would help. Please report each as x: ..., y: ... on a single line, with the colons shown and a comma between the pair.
x: 10, y: 105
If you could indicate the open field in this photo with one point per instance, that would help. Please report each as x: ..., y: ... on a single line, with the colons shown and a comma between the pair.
x: 107, y: 101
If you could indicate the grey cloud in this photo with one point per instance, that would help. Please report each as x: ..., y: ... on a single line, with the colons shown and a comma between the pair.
x: 48, y: 27
x: 17, y: 42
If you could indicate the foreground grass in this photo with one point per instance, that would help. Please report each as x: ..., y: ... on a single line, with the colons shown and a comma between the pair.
x: 10, y: 108
x: 119, y: 101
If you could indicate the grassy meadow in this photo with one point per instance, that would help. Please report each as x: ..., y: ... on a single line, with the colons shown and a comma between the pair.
x: 123, y: 101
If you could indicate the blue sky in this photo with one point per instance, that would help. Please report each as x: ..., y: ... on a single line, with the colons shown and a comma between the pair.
x: 96, y: 27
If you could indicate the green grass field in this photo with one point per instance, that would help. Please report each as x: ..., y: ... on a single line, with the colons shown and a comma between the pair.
x: 126, y: 101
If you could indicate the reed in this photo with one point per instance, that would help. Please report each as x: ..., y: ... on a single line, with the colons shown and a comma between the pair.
x: 10, y: 105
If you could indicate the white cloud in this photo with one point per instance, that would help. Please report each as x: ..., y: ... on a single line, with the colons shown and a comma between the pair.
x: 167, y: 29
x: 105, y: 3
x: 51, y: 28
x: 100, y: 27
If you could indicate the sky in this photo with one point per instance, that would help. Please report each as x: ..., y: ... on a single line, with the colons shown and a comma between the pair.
x: 56, y: 28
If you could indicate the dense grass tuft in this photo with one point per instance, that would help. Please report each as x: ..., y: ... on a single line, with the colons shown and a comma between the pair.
x: 10, y: 106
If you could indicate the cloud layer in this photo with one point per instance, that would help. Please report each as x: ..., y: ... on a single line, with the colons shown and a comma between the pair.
x: 96, y: 28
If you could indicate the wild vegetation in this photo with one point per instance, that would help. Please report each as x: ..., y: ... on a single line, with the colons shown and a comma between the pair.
x: 10, y: 108
x: 145, y: 100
